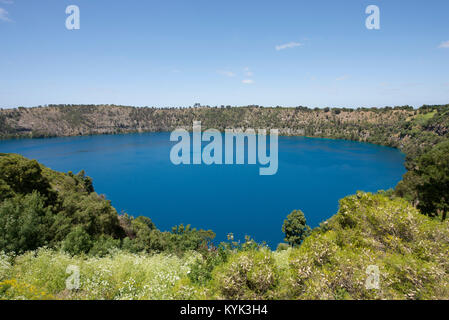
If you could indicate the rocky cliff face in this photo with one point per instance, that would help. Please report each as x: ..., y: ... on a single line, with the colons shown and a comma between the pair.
x: 398, y: 127
x: 82, y: 120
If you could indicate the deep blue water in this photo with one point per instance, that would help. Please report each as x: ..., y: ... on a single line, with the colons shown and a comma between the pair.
x: 134, y: 171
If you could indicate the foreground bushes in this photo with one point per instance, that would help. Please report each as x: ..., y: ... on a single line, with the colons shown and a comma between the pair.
x: 42, y: 207
x: 409, y: 250
x: 247, y: 275
x: 427, y: 183
x: 120, y: 275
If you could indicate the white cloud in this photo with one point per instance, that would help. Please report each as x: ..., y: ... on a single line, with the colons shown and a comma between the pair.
x: 288, y: 45
x: 248, y: 72
x: 4, y: 15
x: 342, y: 78
x: 248, y: 81
x: 7, y: 1
x: 444, y: 44
x: 226, y: 73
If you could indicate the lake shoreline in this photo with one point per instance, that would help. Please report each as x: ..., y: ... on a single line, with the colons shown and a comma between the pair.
x: 307, y: 166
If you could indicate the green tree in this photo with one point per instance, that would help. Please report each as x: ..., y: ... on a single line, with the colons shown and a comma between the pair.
x: 185, y: 238
x: 24, y: 176
x: 5, y: 191
x: 427, y: 183
x: 24, y: 221
x: 95, y: 214
x: 433, y: 189
x: 295, y: 228
x: 77, y: 241
x: 86, y: 181
x: 104, y: 245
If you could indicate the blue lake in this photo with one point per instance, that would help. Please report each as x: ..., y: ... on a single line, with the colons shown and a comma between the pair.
x: 134, y: 171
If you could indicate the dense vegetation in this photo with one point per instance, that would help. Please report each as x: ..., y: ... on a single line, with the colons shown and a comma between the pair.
x: 410, y: 250
x: 51, y: 220
x: 427, y: 182
x: 41, y: 207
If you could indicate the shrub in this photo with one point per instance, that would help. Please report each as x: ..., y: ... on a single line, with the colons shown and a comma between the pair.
x: 295, y: 228
x: 104, y: 245
x: 282, y: 247
x: 368, y: 229
x: 77, y: 241
x: 201, y: 270
x: 24, y: 176
x: 247, y: 275
x: 23, y: 223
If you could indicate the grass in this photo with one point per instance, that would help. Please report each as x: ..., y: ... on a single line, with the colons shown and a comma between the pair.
x: 409, y: 250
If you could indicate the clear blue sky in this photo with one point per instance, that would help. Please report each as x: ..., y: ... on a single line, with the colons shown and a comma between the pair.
x: 175, y: 53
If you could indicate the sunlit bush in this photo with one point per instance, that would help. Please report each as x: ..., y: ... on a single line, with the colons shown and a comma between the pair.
x: 247, y: 275
x: 408, y: 249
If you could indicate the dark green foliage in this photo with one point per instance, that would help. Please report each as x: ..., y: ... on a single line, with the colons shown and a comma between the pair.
x: 104, y: 245
x: 24, y: 220
x: 91, y: 211
x: 433, y: 192
x: 41, y: 207
x: 143, y: 223
x: 142, y: 235
x: 295, y: 228
x: 78, y: 241
x: 22, y: 176
x: 201, y: 270
x: 85, y: 181
x: 5, y: 191
x: 428, y: 183
x: 184, y: 238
